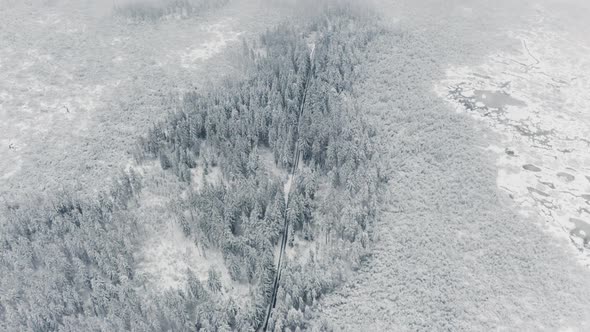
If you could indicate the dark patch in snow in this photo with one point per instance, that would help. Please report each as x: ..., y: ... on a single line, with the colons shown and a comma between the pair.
x: 548, y: 184
x: 531, y: 167
x: 582, y: 229
x: 566, y: 177
x: 533, y: 190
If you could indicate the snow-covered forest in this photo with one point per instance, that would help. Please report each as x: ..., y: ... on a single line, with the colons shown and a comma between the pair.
x: 69, y: 263
x: 294, y: 165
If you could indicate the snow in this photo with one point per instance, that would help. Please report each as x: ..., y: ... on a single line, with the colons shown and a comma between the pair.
x: 545, y: 123
x: 167, y: 255
x: 300, y: 251
x: 287, y: 188
x: 222, y: 34
x: 268, y: 162
x: 213, y: 176
x: 113, y: 77
x: 166, y: 252
x: 453, y: 252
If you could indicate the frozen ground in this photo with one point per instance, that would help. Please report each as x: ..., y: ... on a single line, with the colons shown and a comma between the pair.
x: 78, y: 84
x: 453, y: 251
x: 536, y: 96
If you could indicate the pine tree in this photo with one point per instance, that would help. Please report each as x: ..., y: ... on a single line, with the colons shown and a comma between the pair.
x: 164, y: 161
x: 214, y: 281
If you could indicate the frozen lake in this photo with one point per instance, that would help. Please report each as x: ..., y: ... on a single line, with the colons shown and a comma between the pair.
x: 534, y: 97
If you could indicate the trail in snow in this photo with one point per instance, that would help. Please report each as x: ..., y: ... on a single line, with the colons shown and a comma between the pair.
x: 296, y: 167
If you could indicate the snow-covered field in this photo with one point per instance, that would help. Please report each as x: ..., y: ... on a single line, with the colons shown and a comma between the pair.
x: 78, y: 84
x: 453, y: 251
x: 77, y: 88
x: 536, y: 97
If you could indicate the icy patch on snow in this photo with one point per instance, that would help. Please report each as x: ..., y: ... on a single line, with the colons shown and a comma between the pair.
x: 537, y: 99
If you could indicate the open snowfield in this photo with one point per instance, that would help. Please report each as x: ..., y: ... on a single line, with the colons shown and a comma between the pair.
x: 535, y: 96
x: 78, y: 84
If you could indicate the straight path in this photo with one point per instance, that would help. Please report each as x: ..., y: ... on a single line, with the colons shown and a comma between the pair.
x: 291, y: 179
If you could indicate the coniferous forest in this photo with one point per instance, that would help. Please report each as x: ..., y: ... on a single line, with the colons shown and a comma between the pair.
x: 70, y: 263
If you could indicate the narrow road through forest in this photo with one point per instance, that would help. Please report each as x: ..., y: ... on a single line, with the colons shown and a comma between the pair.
x: 288, y: 186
